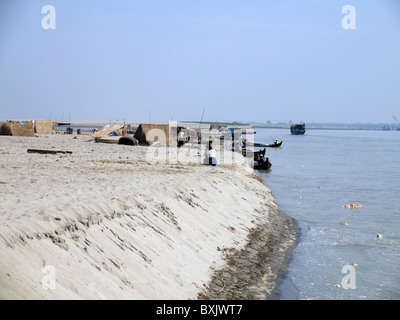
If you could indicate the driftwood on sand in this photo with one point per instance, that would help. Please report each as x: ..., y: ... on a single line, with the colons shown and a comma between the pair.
x: 41, y: 151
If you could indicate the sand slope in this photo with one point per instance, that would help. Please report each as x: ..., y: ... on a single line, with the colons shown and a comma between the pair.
x: 120, y: 222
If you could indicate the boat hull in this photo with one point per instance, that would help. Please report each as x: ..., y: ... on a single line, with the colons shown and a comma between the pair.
x: 298, y: 129
x: 266, y: 165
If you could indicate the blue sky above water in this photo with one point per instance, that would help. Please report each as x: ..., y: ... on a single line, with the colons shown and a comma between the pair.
x: 239, y: 60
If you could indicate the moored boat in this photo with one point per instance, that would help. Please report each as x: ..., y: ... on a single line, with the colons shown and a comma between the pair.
x: 260, y: 161
x: 265, y: 165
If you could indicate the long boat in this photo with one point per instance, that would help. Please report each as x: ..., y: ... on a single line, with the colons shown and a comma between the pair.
x: 274, y: 145
x: 266, y: 165
x: 260, y: 161
x: 261, y: 145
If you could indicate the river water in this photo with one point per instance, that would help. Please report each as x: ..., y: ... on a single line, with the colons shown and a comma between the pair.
x: 339, y: 254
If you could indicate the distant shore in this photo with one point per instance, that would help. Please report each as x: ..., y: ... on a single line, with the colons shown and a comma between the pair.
x: 206, y: 124
x: 109, y: 221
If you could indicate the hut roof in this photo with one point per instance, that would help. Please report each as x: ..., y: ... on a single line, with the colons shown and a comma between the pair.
x: 105, y: 131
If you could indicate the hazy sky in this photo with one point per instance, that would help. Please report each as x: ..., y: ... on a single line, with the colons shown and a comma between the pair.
x: 250, y: 60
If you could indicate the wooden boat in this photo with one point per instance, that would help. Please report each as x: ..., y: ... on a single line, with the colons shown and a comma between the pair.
x: 265, y: 165
x: 260, y: 161
x: 261, y: 145
x: 298, y: 129
x: 275, y: 145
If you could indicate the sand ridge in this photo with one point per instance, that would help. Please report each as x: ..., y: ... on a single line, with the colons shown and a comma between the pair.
x: 117, y: 222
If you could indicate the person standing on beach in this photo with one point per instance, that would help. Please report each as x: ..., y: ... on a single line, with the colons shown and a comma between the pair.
x: 212, y: 156
x: 181, y: 138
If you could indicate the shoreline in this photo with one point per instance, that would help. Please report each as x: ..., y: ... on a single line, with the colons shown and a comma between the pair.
x: 176, y: 231
x: 256, y: 271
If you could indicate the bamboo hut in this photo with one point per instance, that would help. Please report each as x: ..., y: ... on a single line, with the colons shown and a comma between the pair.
x: 147, y: 134
x: 44, y: 126
x: 16, y: 128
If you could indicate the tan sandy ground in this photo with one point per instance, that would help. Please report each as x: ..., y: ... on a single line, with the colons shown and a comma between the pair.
x: 121, y: 222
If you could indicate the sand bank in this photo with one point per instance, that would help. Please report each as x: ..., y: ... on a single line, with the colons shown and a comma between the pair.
x: 121, y: 222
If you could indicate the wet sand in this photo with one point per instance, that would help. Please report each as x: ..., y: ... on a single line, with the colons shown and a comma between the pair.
x: 255, y: 271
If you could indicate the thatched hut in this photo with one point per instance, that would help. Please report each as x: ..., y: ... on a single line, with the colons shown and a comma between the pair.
x: 16, y: 128
x: 147, y: 134
x: 44, y: 126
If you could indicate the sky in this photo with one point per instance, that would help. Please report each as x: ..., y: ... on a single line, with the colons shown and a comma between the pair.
x: 234, y: 60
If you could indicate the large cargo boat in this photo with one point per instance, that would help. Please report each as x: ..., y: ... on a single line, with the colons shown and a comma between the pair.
x: 298, y: 129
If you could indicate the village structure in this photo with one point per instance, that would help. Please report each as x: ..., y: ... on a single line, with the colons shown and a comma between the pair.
x: 232, y: 137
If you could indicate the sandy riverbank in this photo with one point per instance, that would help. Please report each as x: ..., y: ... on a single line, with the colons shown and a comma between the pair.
x: 121, y: 222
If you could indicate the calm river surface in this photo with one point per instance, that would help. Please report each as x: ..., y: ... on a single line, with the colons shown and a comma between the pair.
x: 339, y: 254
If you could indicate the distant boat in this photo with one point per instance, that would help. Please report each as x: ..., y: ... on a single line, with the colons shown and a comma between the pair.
x: 298, y: 129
